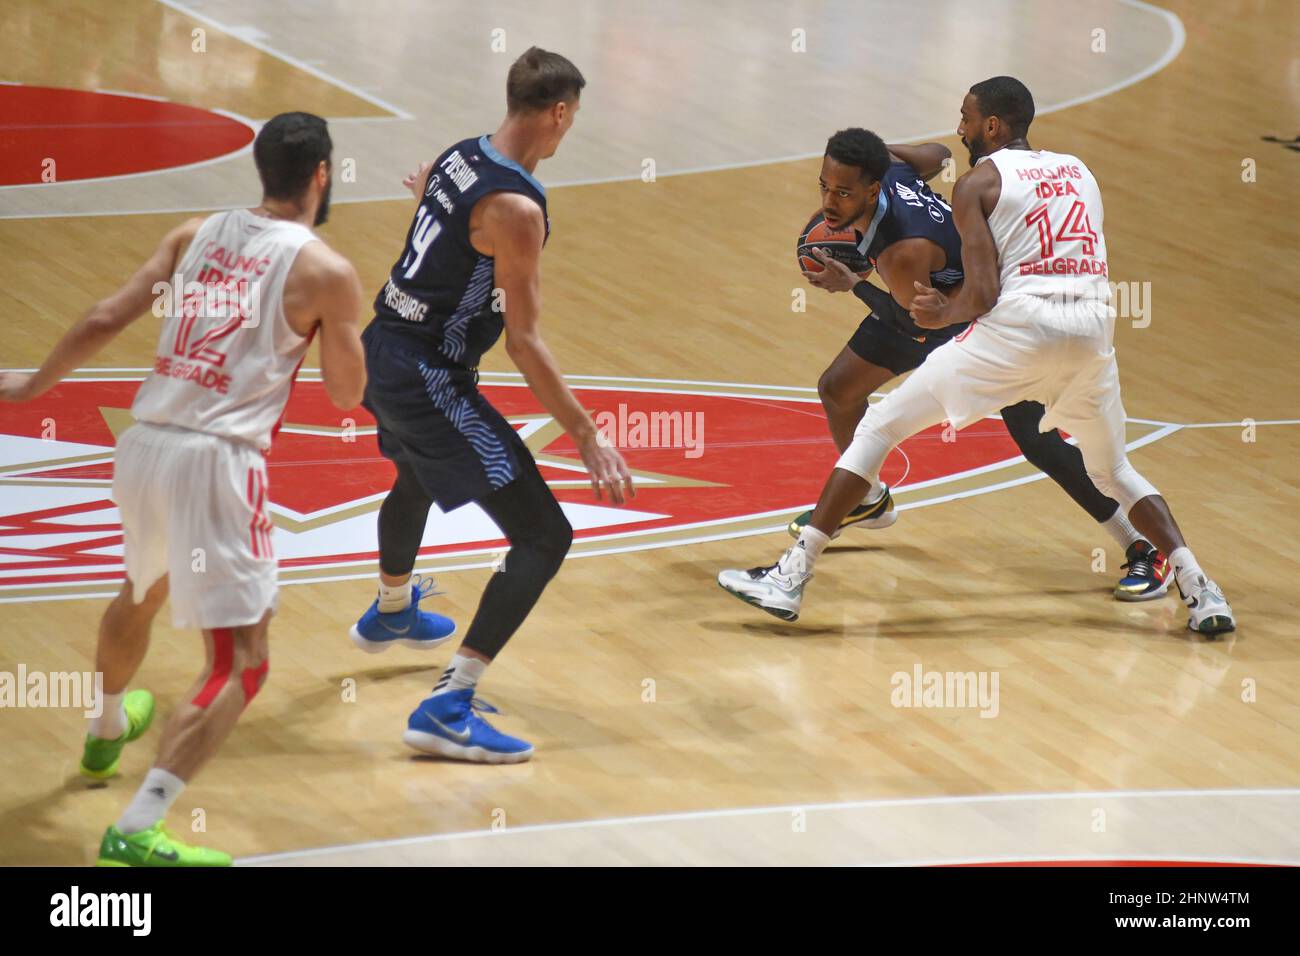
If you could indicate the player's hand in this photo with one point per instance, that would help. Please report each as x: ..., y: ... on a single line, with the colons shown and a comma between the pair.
x: 416, y: 180
x: 928, y: 307
x: 607, y: 469
x: 835, y: 277
x: 16, y: 387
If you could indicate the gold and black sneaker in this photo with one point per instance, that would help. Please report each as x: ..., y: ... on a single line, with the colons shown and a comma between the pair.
x: 1148, y: 574
x: 878, y: 514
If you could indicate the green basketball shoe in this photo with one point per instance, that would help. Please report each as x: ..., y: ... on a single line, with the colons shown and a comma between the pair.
x: 100, y: 759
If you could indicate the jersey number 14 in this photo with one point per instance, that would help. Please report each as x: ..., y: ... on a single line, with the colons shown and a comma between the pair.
x: 1077, y: 226
x: 426, y: 230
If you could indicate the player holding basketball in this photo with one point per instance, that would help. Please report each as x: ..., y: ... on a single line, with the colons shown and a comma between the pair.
x: 189, y: 476
x: 1041, y: 329
x: 479, y: 229
x: 909, y: 237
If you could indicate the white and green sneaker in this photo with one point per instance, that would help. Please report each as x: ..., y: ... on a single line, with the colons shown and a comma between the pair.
x: 100, y: 758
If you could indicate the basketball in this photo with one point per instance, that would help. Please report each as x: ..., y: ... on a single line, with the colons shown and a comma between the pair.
x: 840, y: 244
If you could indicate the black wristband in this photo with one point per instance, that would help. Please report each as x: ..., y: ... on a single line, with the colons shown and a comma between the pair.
x: 878, y: 299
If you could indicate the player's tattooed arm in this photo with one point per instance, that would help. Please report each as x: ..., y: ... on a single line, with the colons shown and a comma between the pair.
x: 973, y: 199
x: 105, y: 319
x: 927, y: 159
x: 513, y: 229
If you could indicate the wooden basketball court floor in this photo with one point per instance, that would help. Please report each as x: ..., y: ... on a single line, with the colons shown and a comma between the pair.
x: 672, y: 723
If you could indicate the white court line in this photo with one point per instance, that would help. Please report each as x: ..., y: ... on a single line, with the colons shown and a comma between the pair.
x: 291, y: 60
x: 134, y: 96
x: 1178, y: 39
x: 652, y: 381
x: 1243, y: 424
x: 733, y: 812
x: 1217, y: 860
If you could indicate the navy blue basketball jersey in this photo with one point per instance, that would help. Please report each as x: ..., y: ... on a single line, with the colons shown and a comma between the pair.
x: 907, y: 209
x: 440, y: 292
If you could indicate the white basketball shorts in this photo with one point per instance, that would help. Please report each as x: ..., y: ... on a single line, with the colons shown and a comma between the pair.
x: 194, y: 508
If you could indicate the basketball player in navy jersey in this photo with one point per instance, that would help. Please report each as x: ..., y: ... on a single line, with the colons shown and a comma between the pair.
x: 1036, y: 304
x: 909, y: 236
x: 479, y: 228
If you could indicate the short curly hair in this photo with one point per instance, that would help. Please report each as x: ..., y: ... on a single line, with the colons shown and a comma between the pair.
x: 861, y: 148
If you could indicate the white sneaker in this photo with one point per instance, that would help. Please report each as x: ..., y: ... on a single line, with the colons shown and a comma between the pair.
x: 778, y: 592
x: 1210, y: 613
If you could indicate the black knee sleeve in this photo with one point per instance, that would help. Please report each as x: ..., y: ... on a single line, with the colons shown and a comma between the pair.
x: 1056, y: 458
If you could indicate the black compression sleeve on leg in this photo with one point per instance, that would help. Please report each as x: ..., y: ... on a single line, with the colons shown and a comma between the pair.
x: 539, y: 535
x: 1056, y: 458
x: 402, y: 517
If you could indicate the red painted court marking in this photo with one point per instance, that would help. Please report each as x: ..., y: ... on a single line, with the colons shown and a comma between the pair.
x: 89, y: 135
x: 762, y: 456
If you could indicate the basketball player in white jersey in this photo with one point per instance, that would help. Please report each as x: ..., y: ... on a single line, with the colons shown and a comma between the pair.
x: 252, y: 288
x: 1037, y: 295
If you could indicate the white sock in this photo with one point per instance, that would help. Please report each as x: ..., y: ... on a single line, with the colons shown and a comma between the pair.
x: 1121, y: 529
x: 462, y: 673
x: 152, y: 801
x: 874, y: 493
x: 805, y: 552
x: 395, y: 598
x: 1186, y: 570
x: 111, y: 723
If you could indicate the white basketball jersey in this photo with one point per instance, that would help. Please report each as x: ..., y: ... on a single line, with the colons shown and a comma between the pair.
x: 1048, y: 225
x: 227, y: 357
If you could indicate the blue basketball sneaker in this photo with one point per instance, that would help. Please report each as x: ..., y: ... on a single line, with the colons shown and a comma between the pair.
x: 377, y: 631
x: 447, y: 726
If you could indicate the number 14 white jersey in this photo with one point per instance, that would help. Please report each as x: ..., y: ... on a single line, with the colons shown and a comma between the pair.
x: 1048, y: 226
x: 227, y: 357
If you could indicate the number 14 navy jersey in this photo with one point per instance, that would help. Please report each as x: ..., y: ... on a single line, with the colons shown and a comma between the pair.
x: 439, y: 295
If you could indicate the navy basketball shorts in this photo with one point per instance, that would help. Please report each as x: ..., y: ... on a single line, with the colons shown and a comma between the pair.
x: 883, y: 342
x: 434, y: 420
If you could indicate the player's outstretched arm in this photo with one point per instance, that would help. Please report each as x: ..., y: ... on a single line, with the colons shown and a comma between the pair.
x: 927, y: 159
x: 104, y: 320
x: 514, y: 228
x: 337, y: 299
x: 975, y: 195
